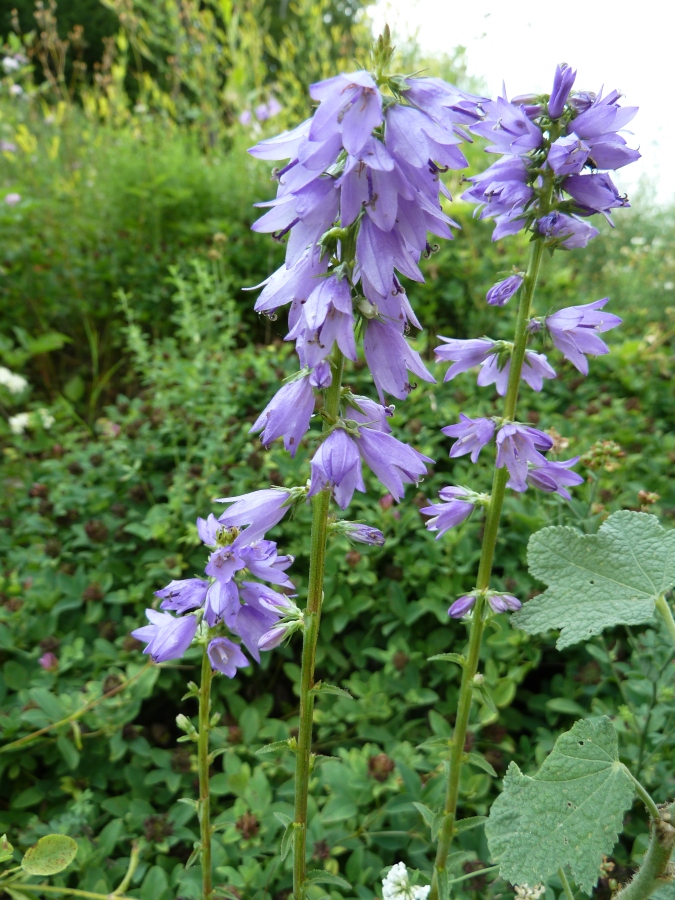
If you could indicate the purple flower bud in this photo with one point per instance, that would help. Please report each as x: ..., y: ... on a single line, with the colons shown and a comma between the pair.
x: 260, y: 510
x: 391, y: 461
x: 370, y: 413
x: 472, y: 434
x: 226, y: 656
x: 337, y: 464
x: 574, y: 331
x: 503, y: 602
x: 569, y: 232
x: 562, y: 85
x: 451, y: 512
x: 182, y: 596
x: 594, y: 193
x: 554, y: 477
x: 275, y: 636
x: 465, y: 354
x: 166, y: 637
x: 462, y: 606
x: 287, y: 414
x: 362, y: 534
x: 516, y: 446
x: 500, y: 293
x: 49, y: 661
x: 321, y: 376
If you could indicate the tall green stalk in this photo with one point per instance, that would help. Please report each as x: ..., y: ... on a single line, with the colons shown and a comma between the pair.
x: 320, y: 508
x: 203, y: 764
x: 490, y: 533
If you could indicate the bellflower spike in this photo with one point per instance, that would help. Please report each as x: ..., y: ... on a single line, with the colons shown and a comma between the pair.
x: 555, y: 477
x: 472, y: 434
x: 452, y: 511
x: 260, y: 510
x: 287, y: 414
x: 182, y: 596
x: 516, y: 446
x: 574, y: 331
x: 226, y: 656
x: 391, y: 461
x: 337, y: 464
x: 500, y: 293
x: 166, y: 636
x: 562, y: 85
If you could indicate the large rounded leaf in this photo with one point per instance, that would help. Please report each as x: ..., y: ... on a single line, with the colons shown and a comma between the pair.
x: 50, y: 855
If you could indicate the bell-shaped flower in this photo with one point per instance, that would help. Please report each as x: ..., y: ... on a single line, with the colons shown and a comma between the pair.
x: 574, y: 331
x: 464, y: 354
x: 222, y: 603
x: 472, y: 435
x: 389, y: 358
x: 508, y: 127
x: 337, y: 465
x: 349, y: 105
x: 568, y: 155
x: 554, y: 477
x: 594, y: 193
x: 568, y: 232
x: 562, y: 85
x: 454, y: 509
x: 167, y: 637
x: 391, y: 461
x: 259, y: 510
x: 262, y: 560
x: 535, y: 369
x: 500, y: 293
x: 225, y: 656
x: 287, y: 414
x: 518, y: 445
x: 182, y: 596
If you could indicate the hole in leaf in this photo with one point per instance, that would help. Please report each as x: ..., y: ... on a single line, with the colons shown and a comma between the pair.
x: 581, y: 743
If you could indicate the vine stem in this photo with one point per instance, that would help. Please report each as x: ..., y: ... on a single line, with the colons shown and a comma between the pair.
x: 565, y: 884
x: 667, y: 614
x: 312, y: 617
x: 490, y: 533
x: 73, y: 717
x: 203, y: 764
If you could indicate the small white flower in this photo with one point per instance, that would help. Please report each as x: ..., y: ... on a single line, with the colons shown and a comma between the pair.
x: 13, y: 382
x: 525, y: 892
x: 12, y: 199
x: 46, y: 417
x: 19, y: 423
x: 9, y: 64
x: 16, y: 90
x: 397, y: 886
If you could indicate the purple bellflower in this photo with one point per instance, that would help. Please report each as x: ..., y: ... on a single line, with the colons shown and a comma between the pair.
x: 182, y: 596
x: 337, y: 464
x: 574, y: 331
x: 259, y: 510
x: 562, y: 85
x: 499, y: 602
x: 500, y: 293
x: 389, y: 358
x: 555, y: 477
x: 464, y: 354
x: 166, y: 636
x: 287, y: 414
x: 535, y: 370
x: 565, y: 231
x: 391, y: 461
x: 226, y: 656
x: 472, y: 434
x: 454, y: 509
x: 360, y: 533
x: 518, y: 445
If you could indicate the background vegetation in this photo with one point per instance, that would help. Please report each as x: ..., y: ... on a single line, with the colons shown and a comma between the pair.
x: 120, y: 298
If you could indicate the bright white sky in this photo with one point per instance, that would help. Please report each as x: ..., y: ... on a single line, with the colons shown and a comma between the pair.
x: 621, y: 44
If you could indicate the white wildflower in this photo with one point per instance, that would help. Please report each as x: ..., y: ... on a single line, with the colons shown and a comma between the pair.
x: 13, y: 382
x: 12, y: 199
x: 397, y: 886
x: 525, y: 892
x: 9, y: 64
x: 15, y: 90
x: 19, y: 423
x: 46, y: 418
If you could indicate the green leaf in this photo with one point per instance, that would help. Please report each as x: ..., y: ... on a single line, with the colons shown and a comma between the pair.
x: 569, y: 814
x: 597, y: 581
x: 427, y: 814
x: 6, y: 849
x: 276, y: 747
x: 68, y: 751
x: 475, y: 759
x: 485, y: 696
x: 449, y: 657
x: 52, y: 853
x: 439, y: 741
x: 322, y: 687
x: 469, y: 823
x: 320, y: 877
x: 287, y: 841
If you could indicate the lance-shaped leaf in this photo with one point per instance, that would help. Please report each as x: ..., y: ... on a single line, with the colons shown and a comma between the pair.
x: 569, y: 814
x: 597, y: 581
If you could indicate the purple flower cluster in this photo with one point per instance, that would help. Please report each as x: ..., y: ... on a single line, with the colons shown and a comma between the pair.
x: 250, y: 610
x: 570, y: 135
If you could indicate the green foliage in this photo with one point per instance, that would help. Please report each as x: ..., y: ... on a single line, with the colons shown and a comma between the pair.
x: 598, y: 581
x: 569, y: 814
x: 52, y: 854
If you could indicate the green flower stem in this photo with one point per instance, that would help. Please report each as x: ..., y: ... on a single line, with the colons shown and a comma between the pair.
x: 645, y: 796
x: 203, y: 764
x: 666, y: 613
x: 479, y: 873
x: 72, y: 892
x: 320, y: 507
x: 493, y: 516
x: 73, y: 717
x: 565, y: 884
x: 652, y: 874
